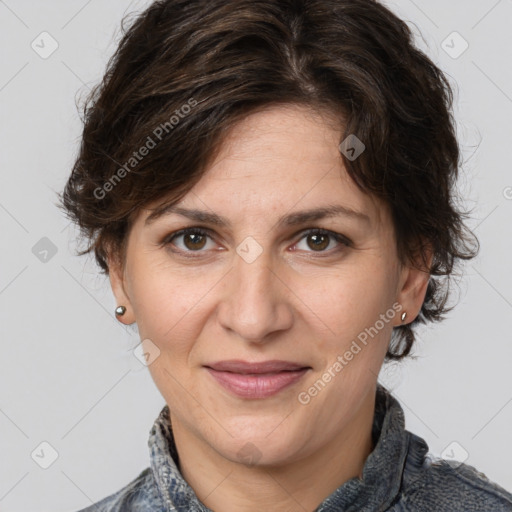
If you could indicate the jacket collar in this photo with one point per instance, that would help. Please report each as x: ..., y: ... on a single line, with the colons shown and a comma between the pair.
x: 378, y: 488
x: 383, y: 469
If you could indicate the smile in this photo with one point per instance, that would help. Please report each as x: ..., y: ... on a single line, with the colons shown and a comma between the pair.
x: 256, y: 385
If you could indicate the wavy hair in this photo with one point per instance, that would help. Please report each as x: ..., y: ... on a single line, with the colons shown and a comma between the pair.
x: 185, y: 71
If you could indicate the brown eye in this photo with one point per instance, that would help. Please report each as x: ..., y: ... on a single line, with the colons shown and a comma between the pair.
x: 194, y: 241
x: 318, y: 242
x: 188, y: 240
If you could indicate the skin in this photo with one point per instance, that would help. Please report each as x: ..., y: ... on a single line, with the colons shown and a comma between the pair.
x: 296, y: 301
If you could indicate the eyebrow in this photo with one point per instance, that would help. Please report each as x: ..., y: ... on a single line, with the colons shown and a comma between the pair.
x: 292, y: 219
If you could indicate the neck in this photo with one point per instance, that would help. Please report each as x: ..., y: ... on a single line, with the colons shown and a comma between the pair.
x: 229, y: 486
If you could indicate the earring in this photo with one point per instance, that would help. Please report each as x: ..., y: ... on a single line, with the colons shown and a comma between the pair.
x: 120, y: 311
x: 404, y: 314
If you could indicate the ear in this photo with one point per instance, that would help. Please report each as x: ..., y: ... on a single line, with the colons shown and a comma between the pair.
x: 116, y: 273
x: 413, y: 283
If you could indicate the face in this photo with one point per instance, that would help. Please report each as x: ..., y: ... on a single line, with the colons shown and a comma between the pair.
x: 258, y: 281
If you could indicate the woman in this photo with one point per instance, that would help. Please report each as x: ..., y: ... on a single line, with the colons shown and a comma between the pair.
x: 270, y: 187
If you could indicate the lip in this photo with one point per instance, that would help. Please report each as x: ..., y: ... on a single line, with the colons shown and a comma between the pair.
x: 256, y: 380
x: 244, y: 367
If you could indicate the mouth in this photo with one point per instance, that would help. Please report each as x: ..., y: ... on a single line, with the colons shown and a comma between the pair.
x: 256, y: 380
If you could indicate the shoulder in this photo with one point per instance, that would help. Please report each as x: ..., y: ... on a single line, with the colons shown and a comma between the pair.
x: 140, y: 495
x: 433, y: 484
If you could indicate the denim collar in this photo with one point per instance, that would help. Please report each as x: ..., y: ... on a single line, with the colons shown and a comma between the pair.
x: 376, y: 491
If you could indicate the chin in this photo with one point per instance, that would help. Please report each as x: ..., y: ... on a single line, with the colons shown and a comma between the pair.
x: 255, y: 447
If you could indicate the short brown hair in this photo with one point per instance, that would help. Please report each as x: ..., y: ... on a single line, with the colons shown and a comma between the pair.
x: 186, y: 71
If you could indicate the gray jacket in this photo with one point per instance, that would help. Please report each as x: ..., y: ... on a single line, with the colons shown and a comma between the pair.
x: 398, y: 476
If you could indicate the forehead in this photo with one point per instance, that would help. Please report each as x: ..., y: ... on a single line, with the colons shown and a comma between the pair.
x: 291, y: 132
x: 279, y: 159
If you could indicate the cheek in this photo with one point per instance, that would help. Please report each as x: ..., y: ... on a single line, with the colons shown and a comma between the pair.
x: 352, y: 300
x: 172, y: 303
x: 167, y: 302
x: 353, y: 305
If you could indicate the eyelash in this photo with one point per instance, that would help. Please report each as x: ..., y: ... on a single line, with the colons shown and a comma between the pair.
x: 343, y: 240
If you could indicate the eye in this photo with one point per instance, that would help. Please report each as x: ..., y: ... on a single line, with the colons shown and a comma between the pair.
x: 320, y: 239
x: 193, y: 239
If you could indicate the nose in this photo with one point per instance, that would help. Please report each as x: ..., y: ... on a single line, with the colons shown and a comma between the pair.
x: 255, y: 302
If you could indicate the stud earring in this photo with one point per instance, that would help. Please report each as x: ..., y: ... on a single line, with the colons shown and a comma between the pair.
x: 404, y: 314
x: 120, y: 311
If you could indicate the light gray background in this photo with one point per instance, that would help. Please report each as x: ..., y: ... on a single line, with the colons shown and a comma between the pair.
x: 67, y: 372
